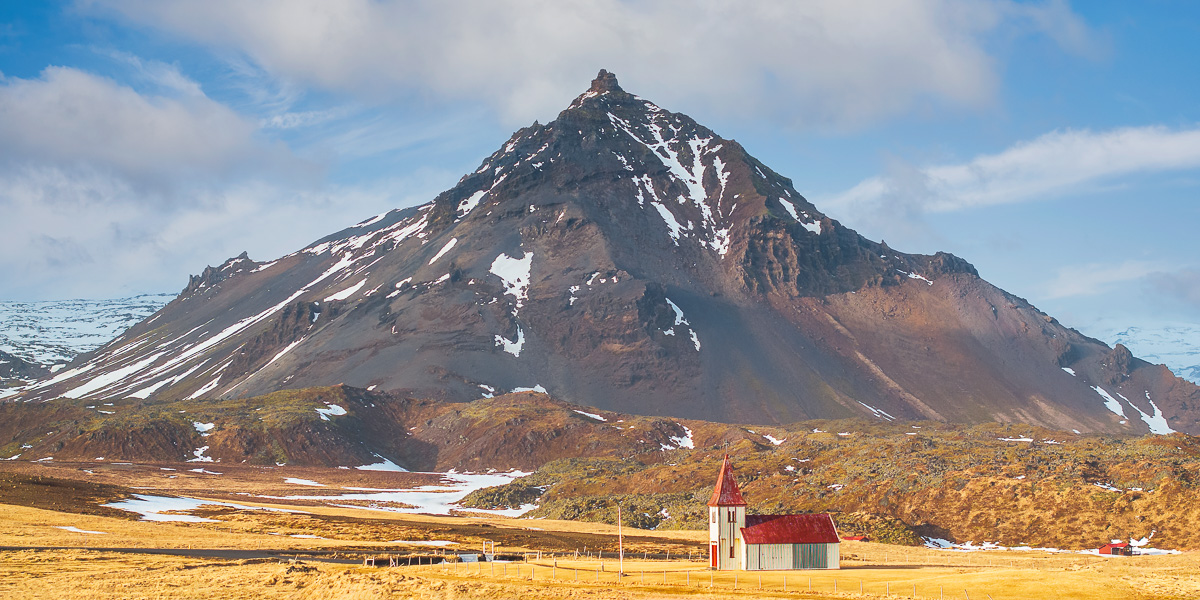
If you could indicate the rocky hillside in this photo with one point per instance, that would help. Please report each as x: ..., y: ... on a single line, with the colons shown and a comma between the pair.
x: 1008, y: 483
x: 628, y: 258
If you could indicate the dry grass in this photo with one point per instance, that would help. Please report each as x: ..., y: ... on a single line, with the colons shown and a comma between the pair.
x: 876, y: 569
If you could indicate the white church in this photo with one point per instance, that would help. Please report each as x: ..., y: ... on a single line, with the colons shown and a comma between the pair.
x: 765, y: 542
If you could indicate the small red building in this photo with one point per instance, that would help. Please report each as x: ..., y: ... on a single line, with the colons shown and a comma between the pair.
x: 1118, y: 549
x: 765, y: 542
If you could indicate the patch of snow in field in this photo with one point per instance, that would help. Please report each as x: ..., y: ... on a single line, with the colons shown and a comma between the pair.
x: 774, y: 440
x: 434, y: 543
x: 1108, y: 487
x: 332, y: 410
x: 1070, y: 371
x: 152, y: 507
x: 685, y: 440
x: 836, y: 487
x: 203, y: 428
x: 383, y: 465
x: 588, y: 414
x: 536, y: 388
x: 200, y: 457
x: 438, y: 499
x: 1020, y: 439
x: 298, y: 481
x: 74, y: 529
x: 815, y: 227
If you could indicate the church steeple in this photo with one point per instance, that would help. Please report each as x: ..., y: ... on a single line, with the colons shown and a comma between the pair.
x: 726, y: 493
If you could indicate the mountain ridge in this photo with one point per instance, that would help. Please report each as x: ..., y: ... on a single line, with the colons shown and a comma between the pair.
x: 626, y: 257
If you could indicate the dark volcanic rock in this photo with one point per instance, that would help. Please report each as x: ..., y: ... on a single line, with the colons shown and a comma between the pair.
x: 15, y: 367
x: 626, y: 257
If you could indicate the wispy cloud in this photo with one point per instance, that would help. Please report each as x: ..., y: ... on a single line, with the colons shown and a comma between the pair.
x: 840, y: 62
x: 72, y: 119
x: 1048, y: 167
x: 1096, y: 278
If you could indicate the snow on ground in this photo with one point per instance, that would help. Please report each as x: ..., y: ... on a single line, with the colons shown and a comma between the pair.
x: 1110, y: 403
x: 514, y: 273
x: 588, y: 414
x: 943, y: 544
x: 536, y: 388
x: 880, y: 414
x: 383, y: 465
x: 58, y: 330
x: 74, y: 529
x: 514, y: 347
x: 1020, y: 439
x: 298, y: 481
x: 436, y: 543
x: 203, y: 428
x: 200, y: 470
x: 346, y: 293
x: 450, y: 244
x: 333, y: 410
x: 774, y: 440
x: 1069, y: 370
x: 428, y: 499
x: 200, y: 457
x: 684, y: 441
x: 152, y: 507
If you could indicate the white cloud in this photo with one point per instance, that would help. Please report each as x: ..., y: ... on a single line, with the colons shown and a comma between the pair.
x: 839, y: 62
x: 1056, y: 164
x: 89, y: 234
x: 1096, y: 278
x: 73, y: 119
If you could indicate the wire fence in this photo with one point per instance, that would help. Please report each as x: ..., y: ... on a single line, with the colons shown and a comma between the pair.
x: 608, y: 574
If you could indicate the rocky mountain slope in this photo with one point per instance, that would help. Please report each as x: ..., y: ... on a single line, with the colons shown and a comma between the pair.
x: 1176, y: 345
x: 626, y: 257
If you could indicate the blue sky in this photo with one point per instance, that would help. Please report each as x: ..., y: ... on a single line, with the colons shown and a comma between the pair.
x: 1056, y: 146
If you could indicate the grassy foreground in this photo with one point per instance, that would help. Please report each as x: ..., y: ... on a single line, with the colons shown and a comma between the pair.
x: 75, y: 566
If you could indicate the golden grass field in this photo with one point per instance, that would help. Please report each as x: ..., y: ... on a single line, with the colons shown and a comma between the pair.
x: 77, y: 565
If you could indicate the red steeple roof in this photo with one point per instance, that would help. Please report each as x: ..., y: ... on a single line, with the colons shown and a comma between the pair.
x: 726, y: 493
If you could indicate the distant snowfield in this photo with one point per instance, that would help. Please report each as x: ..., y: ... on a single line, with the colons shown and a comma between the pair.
x: 1141, y: 546
x: 1176, y: 345
x: 438, y: 499
x: 152, y: 508
x: 58, y: 330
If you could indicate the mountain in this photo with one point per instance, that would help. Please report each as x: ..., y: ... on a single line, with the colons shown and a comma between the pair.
x: 628, y: 258
x: 1176, y: 345
x: 53, y: 332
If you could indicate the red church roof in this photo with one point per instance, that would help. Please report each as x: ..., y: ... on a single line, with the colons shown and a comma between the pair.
x: 789, y: 529
x: 727, y: 492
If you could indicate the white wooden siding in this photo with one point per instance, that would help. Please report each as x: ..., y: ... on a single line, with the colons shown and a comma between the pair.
x: 778, y: 557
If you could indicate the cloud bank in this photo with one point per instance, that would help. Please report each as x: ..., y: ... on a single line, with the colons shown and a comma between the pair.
x: 842, y: 63
x: 1045, y: 168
